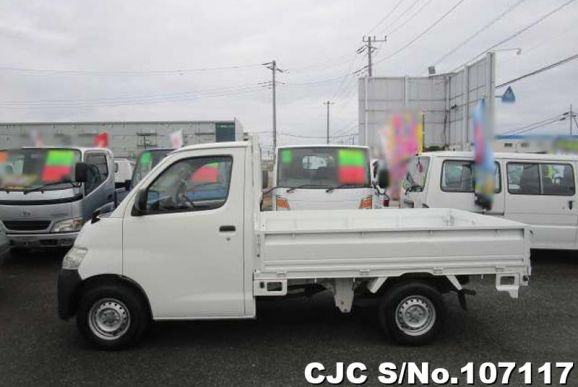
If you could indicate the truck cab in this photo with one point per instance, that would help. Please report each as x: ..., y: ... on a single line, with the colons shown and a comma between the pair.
x: 41, y: 204
x: 322, y: 177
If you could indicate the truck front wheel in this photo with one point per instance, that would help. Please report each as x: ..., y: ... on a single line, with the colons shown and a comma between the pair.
x: 112, y: 316
x: 412, y: 313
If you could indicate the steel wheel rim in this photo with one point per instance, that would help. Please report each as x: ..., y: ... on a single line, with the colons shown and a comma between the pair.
x: 415, y: 315
x: 109, y: 319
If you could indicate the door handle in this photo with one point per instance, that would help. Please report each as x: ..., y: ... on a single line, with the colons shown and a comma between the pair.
x: 227, y: 228
x: 570, y: 204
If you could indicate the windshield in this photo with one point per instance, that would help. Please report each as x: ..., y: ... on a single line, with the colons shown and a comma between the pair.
x: 22, y: 169
x: 322, y: 167
x: 416, y: 174
x: 147, y: 161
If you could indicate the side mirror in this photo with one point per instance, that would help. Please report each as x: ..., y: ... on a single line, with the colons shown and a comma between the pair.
x: 264, y: 179
x: 81, y: 173
x: 140, y: 203
x: 127, y: 184
x: 383, y: 178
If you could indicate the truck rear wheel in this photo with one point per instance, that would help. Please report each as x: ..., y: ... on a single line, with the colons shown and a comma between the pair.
x: 412, y: 313
x: 112, y: 316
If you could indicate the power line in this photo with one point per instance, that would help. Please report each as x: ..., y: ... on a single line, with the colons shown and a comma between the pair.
x: 382, y: 20
x: 401, y: 15
x: 485, y: 27
x: 39, y: 71
x: 519, y: 32
x: 412, y: 16
x: 537, y: 124
x: 132, y: 98
x: 538, y: 71
x: 428, y: 29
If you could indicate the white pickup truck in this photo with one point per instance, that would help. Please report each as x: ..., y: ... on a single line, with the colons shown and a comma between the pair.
x: 190, y: 242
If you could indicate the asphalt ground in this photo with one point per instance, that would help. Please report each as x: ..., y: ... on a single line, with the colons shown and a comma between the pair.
x: 36, y: 348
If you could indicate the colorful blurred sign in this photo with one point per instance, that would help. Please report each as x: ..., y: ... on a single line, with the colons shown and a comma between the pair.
x: 177, y: 139
x: 402, y: 138
x: 208, y: 173
x: 484, y: 184
x: 58, y: 165
x: 101, y: 140
x: 351, y: 166
x: 286, y: 156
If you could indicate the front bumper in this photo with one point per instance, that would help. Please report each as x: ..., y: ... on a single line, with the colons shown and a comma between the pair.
x: 65, y: 239
x: 68, y: 282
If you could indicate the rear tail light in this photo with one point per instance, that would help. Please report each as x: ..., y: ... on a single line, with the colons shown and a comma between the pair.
x: 366, y: 203
x: 281, y: 203
x: 386, y: 202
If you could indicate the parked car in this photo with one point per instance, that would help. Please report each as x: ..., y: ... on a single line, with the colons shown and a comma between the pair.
x: 322, y: 177
x: 41, y: 203
x: 536, y: 189
x: 190, y: 243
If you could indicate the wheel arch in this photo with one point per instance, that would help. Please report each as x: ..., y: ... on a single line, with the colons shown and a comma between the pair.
x: 441, y: 282
x: 109, y: 279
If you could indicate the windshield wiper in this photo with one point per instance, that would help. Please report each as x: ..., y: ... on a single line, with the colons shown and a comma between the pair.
x: 331, y: 189
x: 43, y: 186
x: 306, y: 186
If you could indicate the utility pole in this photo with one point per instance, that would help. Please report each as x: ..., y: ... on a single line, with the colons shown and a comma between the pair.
x: 328, y: 103
x: 370, y: 48
x: 274, y: 69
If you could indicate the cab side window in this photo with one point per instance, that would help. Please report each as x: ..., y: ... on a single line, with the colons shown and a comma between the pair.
x: 557, y: 179
x: 97, y: 170
x: 523, y: 178
x: 458, y: 176
x: 541, y: 179
x: 194, y: 184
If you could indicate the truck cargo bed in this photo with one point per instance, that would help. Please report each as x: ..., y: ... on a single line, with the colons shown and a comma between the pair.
x: 383, y: 243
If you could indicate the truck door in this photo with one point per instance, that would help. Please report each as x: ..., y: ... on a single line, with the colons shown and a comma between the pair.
x: 543, y: 195
x: 98, y: 194
x: 186, y: 250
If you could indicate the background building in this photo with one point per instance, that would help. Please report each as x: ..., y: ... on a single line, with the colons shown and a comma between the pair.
x: 126, y: 139
x: 446, y: 101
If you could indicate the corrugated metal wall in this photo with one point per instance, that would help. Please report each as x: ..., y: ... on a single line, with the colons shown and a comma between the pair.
x: 445, y: 99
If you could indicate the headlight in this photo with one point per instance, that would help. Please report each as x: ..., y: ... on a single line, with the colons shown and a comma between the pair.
x: 73, y: 258
x: 68, y: 225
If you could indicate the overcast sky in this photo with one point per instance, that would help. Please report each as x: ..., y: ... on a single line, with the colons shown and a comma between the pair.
x: 66, y: 60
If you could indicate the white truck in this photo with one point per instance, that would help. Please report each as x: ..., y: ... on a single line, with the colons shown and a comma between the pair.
x: 190, y: 242
x: 323, y: 177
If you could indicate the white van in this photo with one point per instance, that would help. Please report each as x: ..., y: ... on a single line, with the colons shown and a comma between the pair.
x: 536, y: 189
x: 322, y: 177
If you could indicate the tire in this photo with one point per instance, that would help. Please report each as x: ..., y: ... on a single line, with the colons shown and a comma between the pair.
x: 412, y: 313
x: 112, y: 316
